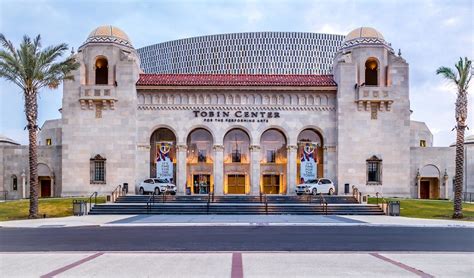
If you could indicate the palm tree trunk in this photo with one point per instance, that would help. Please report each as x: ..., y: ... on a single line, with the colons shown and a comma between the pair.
x: 31, y: 111
x: 461, y: 116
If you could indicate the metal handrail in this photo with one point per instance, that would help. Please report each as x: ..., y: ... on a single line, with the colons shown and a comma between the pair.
x: 151, y: 200
x: 5, y: 194
x: 266, y: 202
x: 383, y: 203
x: 90, y: 201
x: 209, y: 196
x: 465, y: 196
x: 323, y: 203
x: 116, y: 193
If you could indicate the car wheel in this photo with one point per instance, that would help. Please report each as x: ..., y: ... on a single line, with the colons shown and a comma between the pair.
x: 331, y: 191
x: 299, y: 194
x: 173, y: 193
x: 315, y: 191
x: 142, y: 191
x: 157, y: 191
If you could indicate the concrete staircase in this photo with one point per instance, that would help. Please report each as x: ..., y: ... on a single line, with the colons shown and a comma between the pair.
x: 235, y: 204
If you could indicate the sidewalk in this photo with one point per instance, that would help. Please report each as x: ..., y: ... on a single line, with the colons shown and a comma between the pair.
x: 231, y: 220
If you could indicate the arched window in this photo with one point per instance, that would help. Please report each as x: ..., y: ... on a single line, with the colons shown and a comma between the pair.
x: 101, y: 71
x: 163, y: 155
x: 200, y: 161
x: 14, y: 183
x: 237, y: 162
x: 97, y: 169
x: 273, y: 163
x: 374, y: 170
x: 371, y: 72
x: 310, y: 156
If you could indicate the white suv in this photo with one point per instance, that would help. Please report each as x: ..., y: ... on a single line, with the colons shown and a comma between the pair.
x: 316, y: 186
x: 156, y: 185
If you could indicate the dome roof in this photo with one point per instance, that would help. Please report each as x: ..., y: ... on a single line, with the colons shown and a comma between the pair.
x: 7, y: 141
x: 364, y: 36
x: 109, y: 34
x: 364, y: 32
x: 469, y: 139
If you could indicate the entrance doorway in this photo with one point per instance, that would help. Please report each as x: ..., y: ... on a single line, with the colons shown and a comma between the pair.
x: 271, y: 184
x: 424, y: 189
x: 201, y: 183
x: 429, y: 188
x: 45, y: 187
x: 236, y: 184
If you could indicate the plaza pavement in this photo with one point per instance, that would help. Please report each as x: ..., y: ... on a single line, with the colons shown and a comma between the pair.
x: 232, y: 220
x: 236, y: 264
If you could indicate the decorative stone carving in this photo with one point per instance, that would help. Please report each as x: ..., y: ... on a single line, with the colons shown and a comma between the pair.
x: 218, y: 148
x: 182, y: 147
x: 254, y: 148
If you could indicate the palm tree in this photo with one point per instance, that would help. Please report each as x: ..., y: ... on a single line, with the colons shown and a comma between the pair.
x: 461, y: 78
x: 31, y: 68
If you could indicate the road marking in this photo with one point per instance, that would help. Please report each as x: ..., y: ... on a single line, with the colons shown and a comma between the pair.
x: 404, y: 266
x: 237, y: 268
x: 69, y: 266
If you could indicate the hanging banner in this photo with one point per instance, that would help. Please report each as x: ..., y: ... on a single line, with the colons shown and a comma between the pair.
x: 164, y: 165
x: 308, y: 167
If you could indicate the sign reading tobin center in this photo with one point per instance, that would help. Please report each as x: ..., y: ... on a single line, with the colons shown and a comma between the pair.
x: 237, y: 116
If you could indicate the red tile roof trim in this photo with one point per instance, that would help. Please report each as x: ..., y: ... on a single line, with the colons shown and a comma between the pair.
x: 147, y: 79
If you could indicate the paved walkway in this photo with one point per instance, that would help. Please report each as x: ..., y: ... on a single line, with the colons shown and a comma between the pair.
x: 232, y: 220
x: 236, y: 264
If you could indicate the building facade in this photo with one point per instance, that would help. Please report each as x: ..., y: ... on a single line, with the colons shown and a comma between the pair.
x: 237, y: 133
x: 244, y: 53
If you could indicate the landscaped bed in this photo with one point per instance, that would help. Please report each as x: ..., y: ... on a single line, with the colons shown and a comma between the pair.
x: 49, y: 207
x: 432, y: 209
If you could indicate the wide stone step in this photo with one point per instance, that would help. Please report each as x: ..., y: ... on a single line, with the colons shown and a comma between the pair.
x: 236, y: 208
x: 236, y: 199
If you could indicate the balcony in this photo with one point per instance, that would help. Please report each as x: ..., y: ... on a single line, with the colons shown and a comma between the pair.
x: 93, y: 94
x: 367, y: 95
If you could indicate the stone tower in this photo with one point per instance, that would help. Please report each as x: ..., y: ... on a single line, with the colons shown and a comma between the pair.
x: 99, y: 115
x: 373, y: 115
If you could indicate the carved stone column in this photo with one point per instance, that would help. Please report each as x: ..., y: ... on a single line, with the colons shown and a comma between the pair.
x: 181, y: 178
x: 218, y: 170
x: 291, y: 176
x: 418, y: 179
x: 23, y: 184
x: 255, y: 170
x: 445, y: 182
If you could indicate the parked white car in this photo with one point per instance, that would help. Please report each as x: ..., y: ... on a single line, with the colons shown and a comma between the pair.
x: 158, y: 186
x: 316, y: 186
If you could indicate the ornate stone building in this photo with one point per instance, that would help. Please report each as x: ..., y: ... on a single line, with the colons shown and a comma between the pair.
x: 236, y: 133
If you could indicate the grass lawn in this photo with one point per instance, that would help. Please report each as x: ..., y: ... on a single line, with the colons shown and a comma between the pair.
x: 52, y: 207
x: 433, y: 209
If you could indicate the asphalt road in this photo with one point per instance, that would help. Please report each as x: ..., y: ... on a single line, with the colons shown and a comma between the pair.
x: 249, y: 238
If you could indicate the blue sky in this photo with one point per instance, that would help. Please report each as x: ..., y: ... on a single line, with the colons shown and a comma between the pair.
x: 429, y: 33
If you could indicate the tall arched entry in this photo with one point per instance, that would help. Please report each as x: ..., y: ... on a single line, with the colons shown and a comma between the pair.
x: 163, y: 155
x: 200, y: 161
x: 273, y: 163
x: 429, y: 182
x: 236, y: 162
x: 309, y: 156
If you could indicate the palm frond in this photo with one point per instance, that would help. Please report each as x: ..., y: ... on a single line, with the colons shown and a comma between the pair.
x: 448, y: 74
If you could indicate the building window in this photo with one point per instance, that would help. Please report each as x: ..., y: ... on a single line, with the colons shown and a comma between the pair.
x: 14, y: 183
x: 202, y: 156
x: 371, y: 72
x: 423, y: 143
x: 49, y: 142
x: 97, y: 166
x: 101, y: 71
x: 271, y: 156
x: 374, y: 170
